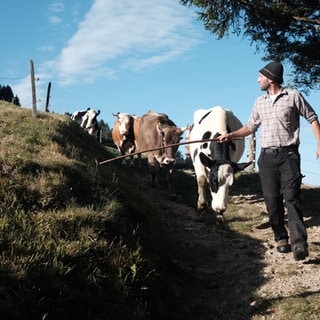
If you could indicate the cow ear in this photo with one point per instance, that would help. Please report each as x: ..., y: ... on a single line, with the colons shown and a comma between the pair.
x: 183, y: 129
x: 241, y: 166
x: 206, y: 161
x: 180, y: 131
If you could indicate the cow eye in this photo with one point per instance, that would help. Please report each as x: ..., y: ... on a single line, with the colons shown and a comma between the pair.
x: 227, y: 174
x: 229, y: 178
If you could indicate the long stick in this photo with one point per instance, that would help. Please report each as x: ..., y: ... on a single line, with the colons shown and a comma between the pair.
x: 163, y: 147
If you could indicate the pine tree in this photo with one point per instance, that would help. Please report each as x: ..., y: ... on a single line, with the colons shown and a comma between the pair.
x: 6, y: 94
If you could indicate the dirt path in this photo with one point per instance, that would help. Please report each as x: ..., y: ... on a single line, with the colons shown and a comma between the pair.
x: 224, y: 271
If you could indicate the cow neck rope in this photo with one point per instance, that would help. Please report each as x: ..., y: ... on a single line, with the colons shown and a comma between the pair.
x: 159, y: 148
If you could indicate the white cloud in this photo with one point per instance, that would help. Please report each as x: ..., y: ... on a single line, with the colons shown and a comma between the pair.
x: 57, y: 6
x: 117, y: 35
x: 46, y: 48
x: 55, y: 19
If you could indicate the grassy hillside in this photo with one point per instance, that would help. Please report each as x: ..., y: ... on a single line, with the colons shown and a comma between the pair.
x: 77, y: 240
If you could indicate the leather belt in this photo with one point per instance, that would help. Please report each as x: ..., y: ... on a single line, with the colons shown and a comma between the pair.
x: 273, y: 150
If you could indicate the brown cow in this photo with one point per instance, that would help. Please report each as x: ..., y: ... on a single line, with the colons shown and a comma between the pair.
x: 157, y: 130
x: 123, y: 135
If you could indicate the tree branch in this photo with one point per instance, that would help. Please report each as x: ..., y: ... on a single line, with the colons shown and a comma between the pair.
x: 312, y: 21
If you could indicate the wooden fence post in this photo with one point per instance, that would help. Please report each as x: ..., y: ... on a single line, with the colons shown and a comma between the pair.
x: 48, y: 97
x: 33, y: 89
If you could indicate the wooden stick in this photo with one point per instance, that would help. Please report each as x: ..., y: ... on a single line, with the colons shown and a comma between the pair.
x: 158, y: 148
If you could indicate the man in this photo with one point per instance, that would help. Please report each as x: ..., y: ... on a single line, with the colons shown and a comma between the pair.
x: 278, y: 112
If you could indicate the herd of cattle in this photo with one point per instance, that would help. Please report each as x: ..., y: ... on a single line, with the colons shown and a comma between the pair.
x: 157, y: 137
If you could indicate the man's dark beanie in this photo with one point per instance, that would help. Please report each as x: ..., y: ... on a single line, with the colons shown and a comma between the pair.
x: 273, y: 71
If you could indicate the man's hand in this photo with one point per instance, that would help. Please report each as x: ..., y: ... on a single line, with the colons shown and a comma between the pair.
x: 224, y: 137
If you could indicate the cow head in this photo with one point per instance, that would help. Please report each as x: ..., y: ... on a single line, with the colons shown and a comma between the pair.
x: 89, y: 121
x: 124, y: 122
x: 78, y: 115
x: 168, y: 135
x: 220, y: 178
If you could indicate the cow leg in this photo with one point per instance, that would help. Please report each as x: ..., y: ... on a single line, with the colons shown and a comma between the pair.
x: 202, y: 199
x: 170, y: 180
x: 124, y: 162
x: 153, y: 168
x: 154, y: 176
x: 131, y: 162
x: 139, y: 160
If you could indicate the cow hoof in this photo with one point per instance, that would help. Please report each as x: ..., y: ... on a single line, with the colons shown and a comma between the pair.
x: 172, y: 197
x: 200, y: 211
x: 220, y: 218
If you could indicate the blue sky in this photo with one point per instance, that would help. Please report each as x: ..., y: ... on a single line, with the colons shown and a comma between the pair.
x: 132, y: 56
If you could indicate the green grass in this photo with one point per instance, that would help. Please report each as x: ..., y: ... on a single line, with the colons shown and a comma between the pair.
x: 82, y: 241
x: 70, y: 246
x: 299, y: 307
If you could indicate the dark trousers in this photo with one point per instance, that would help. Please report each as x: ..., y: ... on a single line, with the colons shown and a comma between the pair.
x: 280, y: 175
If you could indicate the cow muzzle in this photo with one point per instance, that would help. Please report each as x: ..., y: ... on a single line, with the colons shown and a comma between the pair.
x: 168, y: 161
x: 218, y: 205
x: 123, y: 132
x: 218, y: 211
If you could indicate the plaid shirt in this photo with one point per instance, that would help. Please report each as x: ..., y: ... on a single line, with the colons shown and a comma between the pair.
x: 280, y: 120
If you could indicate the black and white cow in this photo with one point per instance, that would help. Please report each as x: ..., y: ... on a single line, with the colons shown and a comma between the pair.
x: 215, y: 163
x: 87, y: 119
x: 77, y: 116
x: 90, y: 122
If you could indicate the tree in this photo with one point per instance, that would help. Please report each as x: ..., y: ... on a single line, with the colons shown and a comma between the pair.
x: 104, y: 132
x: 6, y: 94
x: 16, y: 101
x: 281, y: 29
x: 106, y: 128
